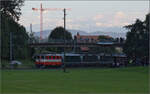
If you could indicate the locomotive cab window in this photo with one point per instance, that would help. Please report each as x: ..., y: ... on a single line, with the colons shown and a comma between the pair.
x: 47, y: 57
x: 57, y: 57
x: 42, y: 57
x: 35, y: 57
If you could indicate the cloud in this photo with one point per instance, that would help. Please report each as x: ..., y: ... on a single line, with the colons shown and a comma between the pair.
x: 119, y: 15
x: 111, y: 24
x: 125, y: 23
x: 73, y: 26
x: 38, y: 17
x: 98, y: 24
x: 69, y: 20
x: 81, y: 19
x: 45, y: 12
x: 117, y: 19
x: 98, y: 16
x: 60, y: 23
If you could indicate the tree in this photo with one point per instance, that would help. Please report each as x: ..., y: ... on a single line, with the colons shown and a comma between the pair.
x: 19, y: 39
x: 109, y: 50
x: 105, y: 38
x: 137, y: 42
x: 58, y: 34
x: 10, y: 12
x: 11, y: 8
x: 121, y: 40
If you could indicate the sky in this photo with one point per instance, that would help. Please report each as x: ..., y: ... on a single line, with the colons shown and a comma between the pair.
x: 89, y: 16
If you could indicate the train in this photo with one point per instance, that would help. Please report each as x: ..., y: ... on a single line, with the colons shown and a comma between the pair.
x: 77, y: 59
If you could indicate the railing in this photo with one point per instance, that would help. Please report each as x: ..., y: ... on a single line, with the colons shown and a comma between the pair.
x: 70, y: 41
x: 60, y: 41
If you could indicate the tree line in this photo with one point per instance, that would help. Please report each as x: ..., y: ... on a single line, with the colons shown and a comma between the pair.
x: 10, y: 12
x: 137, y: 39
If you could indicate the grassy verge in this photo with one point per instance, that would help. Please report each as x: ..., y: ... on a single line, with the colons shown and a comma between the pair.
x: 133, y: 80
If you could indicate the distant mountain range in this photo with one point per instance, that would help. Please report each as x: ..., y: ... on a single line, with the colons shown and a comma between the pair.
x: 45, y: 33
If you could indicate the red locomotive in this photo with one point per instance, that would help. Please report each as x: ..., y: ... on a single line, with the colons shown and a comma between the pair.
x: 48, y: 60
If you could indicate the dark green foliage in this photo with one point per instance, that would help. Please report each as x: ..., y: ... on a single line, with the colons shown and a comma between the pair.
x: 106, y: 50
x: 10, y: 12
x: 19, y: 39
x: 137, y: 42
x: 58, y: 34
x: 105, y: 38
x: 11, y: 8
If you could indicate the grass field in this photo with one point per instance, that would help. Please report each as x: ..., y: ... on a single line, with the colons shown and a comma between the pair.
x: 132, y: 80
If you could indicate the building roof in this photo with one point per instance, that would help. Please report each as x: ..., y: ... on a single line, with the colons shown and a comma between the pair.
x: 95, y: 37
x: 86, y: 38
x: 108, y: 43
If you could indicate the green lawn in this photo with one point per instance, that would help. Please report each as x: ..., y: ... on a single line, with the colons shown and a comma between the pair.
x: 132, y: 80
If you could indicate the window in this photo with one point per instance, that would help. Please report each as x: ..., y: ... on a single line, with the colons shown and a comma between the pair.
x: 35, y: 57
x: 58, y: 57
x: 47, y: 57
x: 42, y: 57
x: 38, y: 57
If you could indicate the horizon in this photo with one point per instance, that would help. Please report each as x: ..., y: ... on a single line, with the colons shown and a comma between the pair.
x: 81, y: 32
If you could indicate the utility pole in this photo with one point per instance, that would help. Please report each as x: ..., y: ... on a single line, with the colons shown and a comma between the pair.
x: 64, y: 65
x: 31, y: 34
x: 10, y: 46
x: 41, y: 24
x: 30, y: 28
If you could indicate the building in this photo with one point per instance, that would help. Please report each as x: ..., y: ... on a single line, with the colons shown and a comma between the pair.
x: 86, y: 38
x: 90, y: 39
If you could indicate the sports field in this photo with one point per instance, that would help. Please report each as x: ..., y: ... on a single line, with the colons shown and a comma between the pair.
x: 132, y: 80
